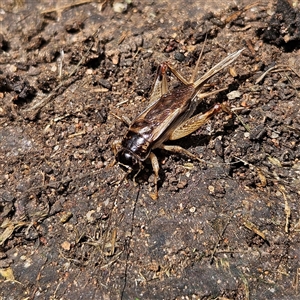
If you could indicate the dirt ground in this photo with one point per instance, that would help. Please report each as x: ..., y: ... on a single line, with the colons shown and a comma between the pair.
x: 71, y: 226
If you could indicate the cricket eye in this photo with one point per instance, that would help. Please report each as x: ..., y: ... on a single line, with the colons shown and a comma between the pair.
x: 128, y: 159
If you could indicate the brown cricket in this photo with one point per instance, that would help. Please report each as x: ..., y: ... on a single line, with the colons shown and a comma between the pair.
x: 169, y: 116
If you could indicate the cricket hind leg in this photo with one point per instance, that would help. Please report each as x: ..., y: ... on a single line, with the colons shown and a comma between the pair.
x: 194, y: 123
x: 160, y: 86
x: 180, y: 150
x: 190, y: 126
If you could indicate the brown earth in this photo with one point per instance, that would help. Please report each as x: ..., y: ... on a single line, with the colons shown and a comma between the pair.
x: 73, y: 228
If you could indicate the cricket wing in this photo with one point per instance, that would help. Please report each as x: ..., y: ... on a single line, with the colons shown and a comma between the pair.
x: 158, y: 120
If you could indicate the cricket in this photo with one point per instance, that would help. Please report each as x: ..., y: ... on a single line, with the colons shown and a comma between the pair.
x: 168, y: 117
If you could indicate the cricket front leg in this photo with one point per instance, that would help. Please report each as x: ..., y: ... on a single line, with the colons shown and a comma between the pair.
x: 155, y: 166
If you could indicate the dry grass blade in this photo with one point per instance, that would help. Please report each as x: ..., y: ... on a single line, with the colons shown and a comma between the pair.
x: 254, y: 228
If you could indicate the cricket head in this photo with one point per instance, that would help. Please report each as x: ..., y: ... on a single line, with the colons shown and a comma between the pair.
x: 128, y: 160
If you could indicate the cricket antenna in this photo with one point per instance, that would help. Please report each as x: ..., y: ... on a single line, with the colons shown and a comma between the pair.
x: 192, y: 80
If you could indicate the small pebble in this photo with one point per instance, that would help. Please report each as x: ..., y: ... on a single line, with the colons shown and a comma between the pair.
x: 12, y: 68
x: 182, y: 184
x: 179, y: 56
x: 119, y: 7
x: 105, y: 83
x: 193, y: 209
x: 274, y: 135
x: 233, y: 95
x: 66, y: 245
x: 211, y: 189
